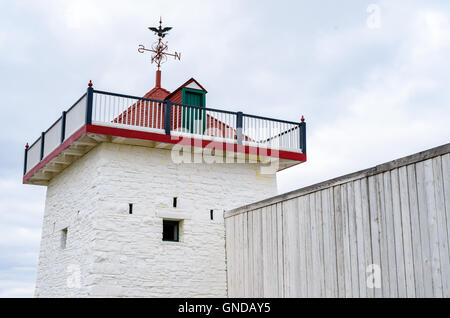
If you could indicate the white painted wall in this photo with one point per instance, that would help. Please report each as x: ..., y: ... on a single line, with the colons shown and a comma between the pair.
x: 119, y: 254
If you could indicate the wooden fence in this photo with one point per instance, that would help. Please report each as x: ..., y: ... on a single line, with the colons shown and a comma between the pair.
x: 380, y: 232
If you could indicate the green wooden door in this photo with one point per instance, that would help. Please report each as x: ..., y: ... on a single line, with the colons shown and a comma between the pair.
x: 193, y: 119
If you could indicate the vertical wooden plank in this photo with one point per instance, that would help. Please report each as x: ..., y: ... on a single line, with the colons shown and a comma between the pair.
x: 433, y: 228
x: 303, y: 209
x: 269, y: 259
x: 339, y: 241
x: 441, y: 221
x: 352, y: 240
x: 391, y: 290
x: 360, y: 239
x: 314, y: 247
x: 291, y: 246
x: 397, y: 214
x: 236, y: 270
x: 268, y: 290
x: 326, y: 242
x: 416, y: 233
x: 319, y: 238
x: 265, y: 239
x: 297, y: 247
x: 366, y: 218
x: 242, y: 252
x: 230, y: 259
x: 329, y: 245
x: 236, y: 256
x: 308, y: 255
x: 242, y: 239
x: 280, y: 250
x: 239, y: 249
x: 235, y: 259
x: 406, y: 227
x: 227, y: 253
x: 424, y: 230
x: 274, y: 247
x: 333, y: 240
x: 257, y: 254
x: 251, y: 267
x: 286, y: 244
x: 374, y: 227
x: 245, y: 268
x: 446, y: 179
x: 346, y: 241
x: 446, y: 183
x: 383, y: 229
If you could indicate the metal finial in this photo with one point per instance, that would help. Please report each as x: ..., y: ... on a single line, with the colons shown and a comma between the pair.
x: 303, y: 119
x: 159, y: 48
x: 90, y: 83
x: 26, y: 146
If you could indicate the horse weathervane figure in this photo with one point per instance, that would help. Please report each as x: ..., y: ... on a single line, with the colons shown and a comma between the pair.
x: 159, y: 48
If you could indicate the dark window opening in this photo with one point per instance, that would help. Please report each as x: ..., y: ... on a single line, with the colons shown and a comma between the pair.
x: 64, y: 238
x: 211, y: 214
x: 130, y: 208
x: 175, y: 202
x: 171, y: 231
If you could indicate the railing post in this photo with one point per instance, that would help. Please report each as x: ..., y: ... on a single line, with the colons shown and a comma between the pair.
x: 89, y: 99
x: 42, y: 145
x: 239, y: 121
x: 303, y: 135
x: 63, y: 126
x: 167, y: 115
x: 25, y: 159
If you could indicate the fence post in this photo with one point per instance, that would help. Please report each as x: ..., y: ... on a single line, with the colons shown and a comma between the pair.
x: 239, y: 121
x: 25, y: 159
x: 303, y: 135
x: 63, y: 126
x: 42, y: 145
x: 89, y: 99
x: 167, y: 115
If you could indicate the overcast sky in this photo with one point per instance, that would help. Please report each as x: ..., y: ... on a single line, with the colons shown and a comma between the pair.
x: 370, y: 77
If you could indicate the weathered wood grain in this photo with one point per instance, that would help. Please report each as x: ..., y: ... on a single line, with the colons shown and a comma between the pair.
x: 320, y: 241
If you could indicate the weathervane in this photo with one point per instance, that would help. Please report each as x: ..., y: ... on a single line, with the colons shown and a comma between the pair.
x: 159, y: 48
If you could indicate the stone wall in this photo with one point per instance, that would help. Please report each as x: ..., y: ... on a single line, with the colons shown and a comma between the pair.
x: 120, y: 254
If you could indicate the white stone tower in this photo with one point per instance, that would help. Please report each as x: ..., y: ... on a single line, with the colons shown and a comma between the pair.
x: 137, y: 186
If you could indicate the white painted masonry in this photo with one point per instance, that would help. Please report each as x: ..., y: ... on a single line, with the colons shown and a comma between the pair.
x: 112, y: 253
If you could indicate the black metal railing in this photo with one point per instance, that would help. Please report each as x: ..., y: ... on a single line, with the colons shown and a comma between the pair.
x: 166, y: 117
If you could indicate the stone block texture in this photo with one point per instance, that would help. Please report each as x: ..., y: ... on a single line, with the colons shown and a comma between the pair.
x: 112, y: 253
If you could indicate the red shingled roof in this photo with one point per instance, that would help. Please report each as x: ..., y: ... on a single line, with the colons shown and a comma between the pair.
x: 157, y: 93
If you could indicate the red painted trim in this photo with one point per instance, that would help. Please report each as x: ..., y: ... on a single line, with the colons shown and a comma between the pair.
x: 80, y: 132
x: 186, y: 141
x: 144, y: 135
